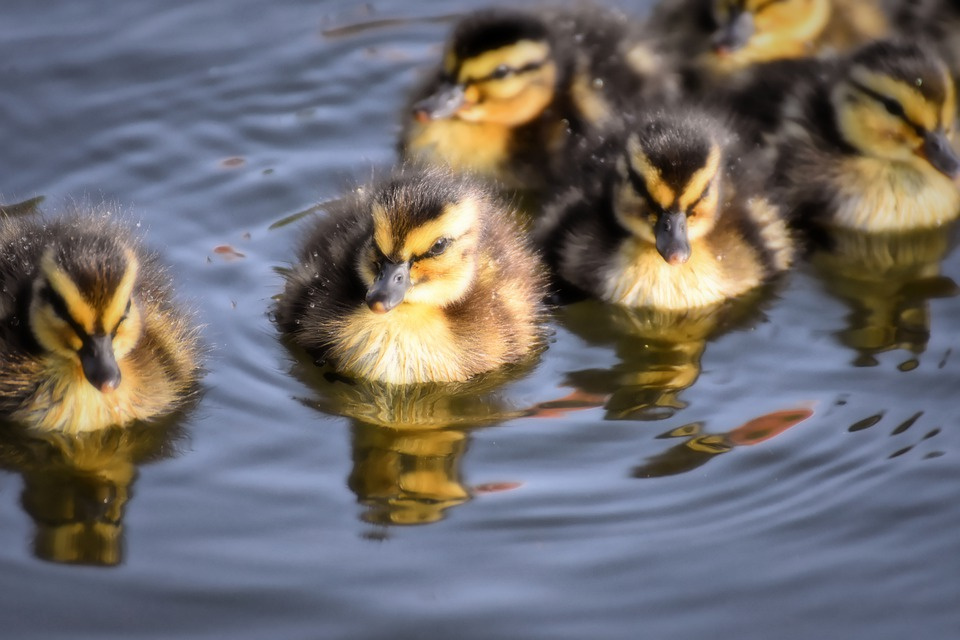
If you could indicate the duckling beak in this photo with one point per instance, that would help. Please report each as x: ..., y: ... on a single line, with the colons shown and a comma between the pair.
x: 734, y: 34
x: 389, y: 288
x: 938, y: 152
x: 671, y: 234
x: 99, y: 364
x: 442, y: 103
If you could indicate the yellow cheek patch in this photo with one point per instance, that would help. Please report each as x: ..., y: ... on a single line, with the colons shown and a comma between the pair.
x: 917, y: 109
x: 455, y: 221
x: 662, y: 194
x: 118, y: 304
x: 514, y: 56
x: 701, y: 179
x: 81, y: 312
x: 382, y: 229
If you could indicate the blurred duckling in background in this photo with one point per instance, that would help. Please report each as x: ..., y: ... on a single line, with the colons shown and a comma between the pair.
x: 424, y: 277
x: 725, y: 36
x: 515, y: 89
x: 867, y: 145
x: 678, y: 220
x: 89, y: 334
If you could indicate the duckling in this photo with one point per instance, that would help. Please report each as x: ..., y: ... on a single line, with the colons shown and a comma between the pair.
x: 89, y: 335
x: 422, y: 277
x: 677, y: 221
x: 515, y: 89
x: 727, y: 36
x: 867, y: 144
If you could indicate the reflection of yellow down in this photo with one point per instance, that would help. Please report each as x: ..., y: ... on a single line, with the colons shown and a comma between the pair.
x: 76, y: 488
x: 887, y: 280
x: 407, y: 476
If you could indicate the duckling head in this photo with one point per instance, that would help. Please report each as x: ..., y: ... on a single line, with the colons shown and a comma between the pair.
x: 669, y: 184
x: 897, y: 102
x: 764, y: 27
x: 82, y: 308
x: 424, y: 245
x: 499, y: 68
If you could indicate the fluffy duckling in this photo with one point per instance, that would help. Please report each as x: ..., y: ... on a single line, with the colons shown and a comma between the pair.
x: 725, y: 36
x: 89, y: 335
x: 676, y: 222
x: 867, y: 145
x: 515, y: 89
x: 423, y: 277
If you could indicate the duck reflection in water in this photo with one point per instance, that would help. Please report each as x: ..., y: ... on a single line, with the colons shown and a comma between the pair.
x: 76, y: 487
x: 408, y: 441
x: 700, y: 447
x: 659, y: 352
x: 887, y: 280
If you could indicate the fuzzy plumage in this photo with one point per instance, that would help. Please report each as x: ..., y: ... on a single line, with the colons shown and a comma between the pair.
x: 92, y: 257
x: 516, y: 89
x: 609, y: 238
x: 468, y: 308
x: 865, y: 144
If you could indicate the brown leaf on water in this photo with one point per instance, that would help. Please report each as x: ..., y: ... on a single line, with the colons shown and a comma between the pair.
x: 228, y: 252
x: 768, y: 425
x: 233, y: 162
x: 495, y: 487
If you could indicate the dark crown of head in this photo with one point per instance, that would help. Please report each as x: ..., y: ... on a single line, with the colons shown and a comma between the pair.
x: 493, y: 29
x: 907, y: 62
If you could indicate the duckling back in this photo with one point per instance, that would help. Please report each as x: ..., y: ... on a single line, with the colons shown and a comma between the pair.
x: 677, y: 218
x: 421, y: 277
x: 89, y: 334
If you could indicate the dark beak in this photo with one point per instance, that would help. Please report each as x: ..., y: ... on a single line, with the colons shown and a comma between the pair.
x: 671, y: 234
x: 938, y: 152
x: 442, y: 103
x: 734, y: 34
x: 99, y: 364
x: 389, y: 288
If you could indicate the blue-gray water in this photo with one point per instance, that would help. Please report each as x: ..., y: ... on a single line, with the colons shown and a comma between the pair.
x: 262, y: 516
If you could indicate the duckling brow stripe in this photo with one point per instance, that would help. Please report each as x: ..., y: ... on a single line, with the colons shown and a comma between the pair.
x: 892, y: 106
x: 59, y: 306
x: 640, y: 186
x: 494, y: 75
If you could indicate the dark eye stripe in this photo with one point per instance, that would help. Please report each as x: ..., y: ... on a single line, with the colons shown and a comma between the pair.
x: 59, y: 306
x: 640, y: 187
x: 503, y: 71
x: 893, y: 107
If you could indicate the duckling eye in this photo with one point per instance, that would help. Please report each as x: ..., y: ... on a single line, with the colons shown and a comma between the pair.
x: 893, y: 107
x: 126, y: 312
x: 501, y: 71
x: 438, y: 247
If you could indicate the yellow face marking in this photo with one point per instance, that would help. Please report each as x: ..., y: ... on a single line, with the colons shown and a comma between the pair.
x: 514, y: 56
x: 79, y: 310
x: 456, y: 220
x: 382, y: 229
x: 700, y: 180
x: 917, y: 109
x: 658, y: 189
x: 118, y: 304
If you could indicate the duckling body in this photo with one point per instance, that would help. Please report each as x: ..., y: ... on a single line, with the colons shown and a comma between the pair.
x: 515, y: 89
x: 727, y: 36
x: 89, y: 334
x: 677, y: 223
x: 423, y: 277
x: 867, y: 144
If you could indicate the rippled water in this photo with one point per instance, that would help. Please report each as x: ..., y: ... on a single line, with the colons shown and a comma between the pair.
x: 786, y: 468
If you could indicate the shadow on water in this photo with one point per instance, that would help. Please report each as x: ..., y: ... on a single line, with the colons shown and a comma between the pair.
x: 76, y: 487
x: 407, y: 442
x: 659, y: 351
x: 887, y: 280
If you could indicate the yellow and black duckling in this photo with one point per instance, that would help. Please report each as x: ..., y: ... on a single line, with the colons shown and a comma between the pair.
x: 423, y: 277
x: 867, y: 145
x: 515, y: 89
x: 89, y: 334
x: 678, y: 220
x: 727, y: 36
